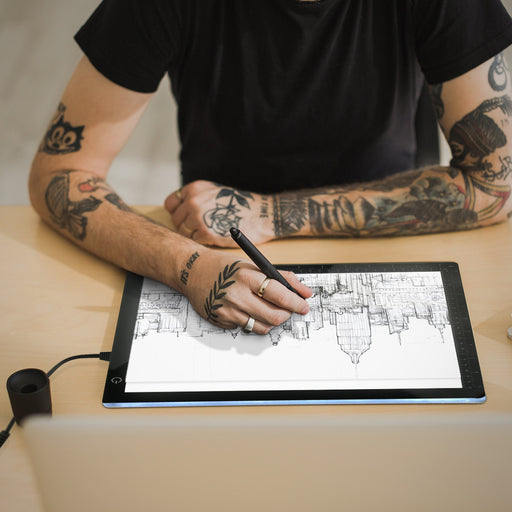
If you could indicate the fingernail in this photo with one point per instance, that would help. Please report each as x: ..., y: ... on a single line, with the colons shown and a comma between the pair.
x: 305, y: 310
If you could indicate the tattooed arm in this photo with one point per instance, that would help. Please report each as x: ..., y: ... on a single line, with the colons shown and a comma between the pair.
x: 68, y: 189
x: 475, y: 114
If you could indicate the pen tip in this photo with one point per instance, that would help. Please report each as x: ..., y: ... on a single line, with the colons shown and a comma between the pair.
x: 234, y: 231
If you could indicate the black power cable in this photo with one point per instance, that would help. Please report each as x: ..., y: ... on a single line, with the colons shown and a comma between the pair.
x: 104, y: 356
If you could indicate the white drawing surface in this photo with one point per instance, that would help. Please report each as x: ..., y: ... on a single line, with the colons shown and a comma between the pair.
x: 379, y: 330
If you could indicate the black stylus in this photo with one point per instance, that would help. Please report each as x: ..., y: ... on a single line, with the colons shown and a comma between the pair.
x: 261, y: 262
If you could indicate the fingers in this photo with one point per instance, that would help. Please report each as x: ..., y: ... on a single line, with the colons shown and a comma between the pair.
x: 265, y: 300
x: 305, y: 291
x: 174, y: 205
x: 248, y: 323
x: 174, y: 200
x: 274, y: 292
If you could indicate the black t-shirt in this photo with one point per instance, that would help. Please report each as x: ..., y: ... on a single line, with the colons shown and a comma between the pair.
x: 274, y: 95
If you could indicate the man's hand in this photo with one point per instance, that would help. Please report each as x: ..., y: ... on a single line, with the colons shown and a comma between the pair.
x: 205, y: 211
x: 224, y: 290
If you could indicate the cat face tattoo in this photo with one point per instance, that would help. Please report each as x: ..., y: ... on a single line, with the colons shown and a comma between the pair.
x: 61, y: 137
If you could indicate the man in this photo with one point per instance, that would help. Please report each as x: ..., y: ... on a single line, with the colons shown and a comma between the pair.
x: 295, y: 118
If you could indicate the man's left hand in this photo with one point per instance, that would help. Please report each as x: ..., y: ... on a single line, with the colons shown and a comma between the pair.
x: 205, y: 211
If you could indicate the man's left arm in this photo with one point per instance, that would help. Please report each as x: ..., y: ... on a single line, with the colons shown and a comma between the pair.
x: 475, y: 114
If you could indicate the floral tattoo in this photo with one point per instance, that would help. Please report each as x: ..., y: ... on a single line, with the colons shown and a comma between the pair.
x: 224, y: 216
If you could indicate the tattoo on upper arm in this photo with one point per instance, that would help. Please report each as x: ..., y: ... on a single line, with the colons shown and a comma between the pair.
x: 498, y: 73
x: 67, y: 214
x: 437, y: 102
x: 61, y: 137
x: 478, y: 134
x: 213, y: 301
x: 224, y: 216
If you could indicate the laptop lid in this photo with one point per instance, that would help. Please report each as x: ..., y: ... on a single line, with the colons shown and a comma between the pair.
x: 264, y: 462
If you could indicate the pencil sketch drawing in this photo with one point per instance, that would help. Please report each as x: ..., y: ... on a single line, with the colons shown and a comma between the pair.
x: 355, y: 303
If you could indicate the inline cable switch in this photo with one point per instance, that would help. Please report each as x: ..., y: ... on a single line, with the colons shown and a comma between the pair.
x: 29, y: 393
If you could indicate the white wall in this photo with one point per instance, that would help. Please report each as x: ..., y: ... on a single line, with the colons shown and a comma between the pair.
x: 38, y: 54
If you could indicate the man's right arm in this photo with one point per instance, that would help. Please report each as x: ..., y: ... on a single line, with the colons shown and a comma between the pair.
x: 68, y: 189
x: 68, y: 185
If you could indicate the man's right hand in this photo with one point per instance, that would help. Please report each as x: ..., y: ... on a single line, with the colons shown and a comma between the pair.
x: 223, y: 290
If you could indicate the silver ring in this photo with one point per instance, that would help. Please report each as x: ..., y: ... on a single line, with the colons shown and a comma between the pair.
x: 249, y: 326
x: 263, y: 287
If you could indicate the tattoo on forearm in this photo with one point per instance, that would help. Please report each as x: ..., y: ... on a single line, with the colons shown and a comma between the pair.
x: 61, y: 137
x: 428, y: 201
x: 428, y: 204
x: 114, y: 199
x: 498, y: 73
x: 91, y: 185
x: 290, y: 213
x: 214, y: 300
x: 95, y: 184
x: 67, y: 214
x: 185, y: 272
x: 224, y: 216
x: 437, y: 102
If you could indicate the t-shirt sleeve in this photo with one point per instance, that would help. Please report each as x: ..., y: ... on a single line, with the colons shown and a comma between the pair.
x: 131, y: 42
x: 454, y: 36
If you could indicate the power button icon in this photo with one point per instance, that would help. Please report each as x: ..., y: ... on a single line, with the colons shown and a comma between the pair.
x: 116, y: 380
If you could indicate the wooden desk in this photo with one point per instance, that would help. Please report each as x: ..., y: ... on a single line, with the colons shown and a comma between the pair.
x: 57, y: 301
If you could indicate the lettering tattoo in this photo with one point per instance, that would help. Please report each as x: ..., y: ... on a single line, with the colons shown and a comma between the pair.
x: 214, y: 300
x: 498, y: 75
x: 264, y: 208
x: 225, y: 216
x: 185, y: 272
x: 67, y: 214
x: 61, y: 137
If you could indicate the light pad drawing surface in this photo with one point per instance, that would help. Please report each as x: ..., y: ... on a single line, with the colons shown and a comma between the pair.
x: 375, y: 332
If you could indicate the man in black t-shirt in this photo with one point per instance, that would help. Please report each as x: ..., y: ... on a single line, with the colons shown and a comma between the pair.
x: 295, y: 117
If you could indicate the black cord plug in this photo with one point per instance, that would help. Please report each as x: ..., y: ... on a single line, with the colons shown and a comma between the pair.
x: 103, y: 356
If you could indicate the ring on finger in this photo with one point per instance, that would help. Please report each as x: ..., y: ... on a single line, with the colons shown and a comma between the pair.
x: 179, y: 196
x: 249, y: 326
x: 263, y: 287
x: 188, y: 231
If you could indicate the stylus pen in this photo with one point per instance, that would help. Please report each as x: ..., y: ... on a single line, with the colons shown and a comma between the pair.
x: 261, y: 262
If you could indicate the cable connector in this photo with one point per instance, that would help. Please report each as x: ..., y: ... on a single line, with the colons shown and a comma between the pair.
x: 105, y: 356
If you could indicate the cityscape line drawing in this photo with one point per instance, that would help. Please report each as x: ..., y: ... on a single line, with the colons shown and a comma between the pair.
x: 356, y: 304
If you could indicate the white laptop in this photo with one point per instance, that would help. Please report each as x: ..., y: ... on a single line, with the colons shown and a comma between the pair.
x: 260, y: 461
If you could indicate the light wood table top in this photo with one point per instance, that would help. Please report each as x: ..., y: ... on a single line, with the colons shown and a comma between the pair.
x: 57, y: 301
